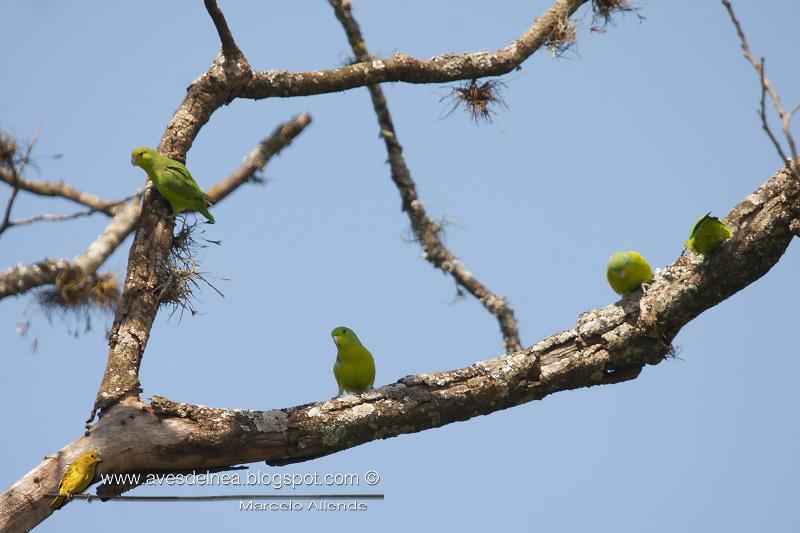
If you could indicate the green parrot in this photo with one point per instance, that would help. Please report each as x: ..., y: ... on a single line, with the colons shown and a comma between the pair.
x: 354, y: 368
x: 173, y: 181
x: 627, y: 271
x: 707, y: 233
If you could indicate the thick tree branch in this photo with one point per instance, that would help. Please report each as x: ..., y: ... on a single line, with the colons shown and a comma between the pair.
x: 426, y: 230
x: 606, y: 346
x: 400, y: 67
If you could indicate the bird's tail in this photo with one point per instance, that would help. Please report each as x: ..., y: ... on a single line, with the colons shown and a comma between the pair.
x: 209, y: 216
x: 207, y: 200
x: 58, y: 502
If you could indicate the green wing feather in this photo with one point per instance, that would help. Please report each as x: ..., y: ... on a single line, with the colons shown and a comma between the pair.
x: 698, y: 223
x: 177, y: 185
x: 179, y: 182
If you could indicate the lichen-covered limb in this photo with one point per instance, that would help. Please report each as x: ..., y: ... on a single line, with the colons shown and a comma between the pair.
x: 426, y: 230
x: 22, y: 278
x: 607, y: 345
x: 400, y: 67
x: 104, y: 245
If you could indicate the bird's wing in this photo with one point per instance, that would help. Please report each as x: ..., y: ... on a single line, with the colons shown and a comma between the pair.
x: 179, y: 182
x: 699, y: 223
x: 66, y: 479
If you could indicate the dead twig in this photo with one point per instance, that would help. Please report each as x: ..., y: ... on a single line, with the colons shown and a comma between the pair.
x: 15, y: 165
x: 427, y: 230
x: 768, y: 88
x: 49, y: 217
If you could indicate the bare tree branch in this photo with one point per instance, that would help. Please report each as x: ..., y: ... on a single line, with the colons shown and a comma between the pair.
x: 9, y: 162
x: 400, y: 67
x: 427, y: 231
x: 762, y: 112
x: 64, y: 191
x: 51, y: 217
x: 607, y: 345
x: 255, y: 162
x: 229, y: 47
x: 22, y: 278
x: 5, y: 224
x: 115, y: 233
x: 767, y: 87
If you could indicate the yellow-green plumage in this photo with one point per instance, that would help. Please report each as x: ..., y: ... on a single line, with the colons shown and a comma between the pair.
x: 707, y: 233
x: 354, y: 368
x: 626, y: 271
x: 173, y: 181
x: 78, y: 475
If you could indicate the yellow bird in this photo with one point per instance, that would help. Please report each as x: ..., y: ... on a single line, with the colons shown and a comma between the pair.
x: 78, y: 475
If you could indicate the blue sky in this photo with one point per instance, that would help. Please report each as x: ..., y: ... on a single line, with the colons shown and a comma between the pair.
x: 618, y: 146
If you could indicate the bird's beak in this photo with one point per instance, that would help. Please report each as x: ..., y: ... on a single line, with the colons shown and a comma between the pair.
x: 133, y: 161
x: 336, y: 340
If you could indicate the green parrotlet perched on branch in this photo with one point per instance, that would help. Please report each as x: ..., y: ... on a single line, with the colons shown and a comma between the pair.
x: 707, y: 233
x: 626, y: 271
x: 354, y: 368
x: 173, y: 181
